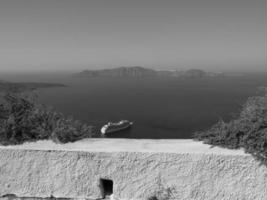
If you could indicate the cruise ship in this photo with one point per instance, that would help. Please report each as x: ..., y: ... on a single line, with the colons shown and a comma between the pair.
x: 115, y: 127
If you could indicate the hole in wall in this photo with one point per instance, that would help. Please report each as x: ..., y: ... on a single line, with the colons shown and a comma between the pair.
x: 106, y: 186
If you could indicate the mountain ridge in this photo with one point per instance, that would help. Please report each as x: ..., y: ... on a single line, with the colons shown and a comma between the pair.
x: 138, y: 71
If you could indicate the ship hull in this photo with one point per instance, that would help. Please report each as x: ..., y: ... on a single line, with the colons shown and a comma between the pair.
x: 116, y: 130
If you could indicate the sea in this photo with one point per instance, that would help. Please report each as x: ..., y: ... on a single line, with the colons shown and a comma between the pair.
x: 161, y: 108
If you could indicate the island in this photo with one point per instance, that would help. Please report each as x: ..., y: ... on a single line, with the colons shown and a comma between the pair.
x: 6, y: 86
x: 138, y: 71
x: 135, y: 71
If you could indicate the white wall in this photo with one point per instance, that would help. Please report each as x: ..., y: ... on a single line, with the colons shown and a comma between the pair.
x: 136, y: 175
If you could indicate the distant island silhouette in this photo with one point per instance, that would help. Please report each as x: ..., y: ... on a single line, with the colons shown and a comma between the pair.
x: 6, y: 86
x: 138, y: 71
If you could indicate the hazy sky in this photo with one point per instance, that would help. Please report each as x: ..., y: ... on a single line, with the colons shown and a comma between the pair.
x: 79, y: 34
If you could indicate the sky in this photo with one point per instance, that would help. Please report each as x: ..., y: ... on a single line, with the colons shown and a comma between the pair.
x: 91, y: 34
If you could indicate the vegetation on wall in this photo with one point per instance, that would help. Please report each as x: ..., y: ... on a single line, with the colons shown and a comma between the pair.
x: 162, y: 192
x: 247, y: 131
x: 23, y: 119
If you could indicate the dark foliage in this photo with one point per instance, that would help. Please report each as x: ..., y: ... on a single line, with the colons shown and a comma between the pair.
x: 22, y: 119
x: 153, y: 198
x: 248, y: 130
x: 162, y: 192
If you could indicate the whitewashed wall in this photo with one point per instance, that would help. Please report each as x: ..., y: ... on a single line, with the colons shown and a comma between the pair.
x: 136, y: 175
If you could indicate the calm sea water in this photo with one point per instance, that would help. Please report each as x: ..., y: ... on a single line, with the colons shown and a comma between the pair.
x: 159, y: 108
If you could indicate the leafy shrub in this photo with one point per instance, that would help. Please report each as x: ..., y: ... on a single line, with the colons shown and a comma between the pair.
x: 162, y: 192
x: 248, y: 130
x: 153, y: 198
x: 22, y: 119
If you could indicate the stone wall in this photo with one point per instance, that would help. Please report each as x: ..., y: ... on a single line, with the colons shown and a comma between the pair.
x: 136, y: 175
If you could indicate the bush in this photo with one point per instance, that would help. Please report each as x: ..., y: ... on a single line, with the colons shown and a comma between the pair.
x: 248, y: 130
x: 22, y: 119
x: 153, y: 198
x: 162, y: 192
